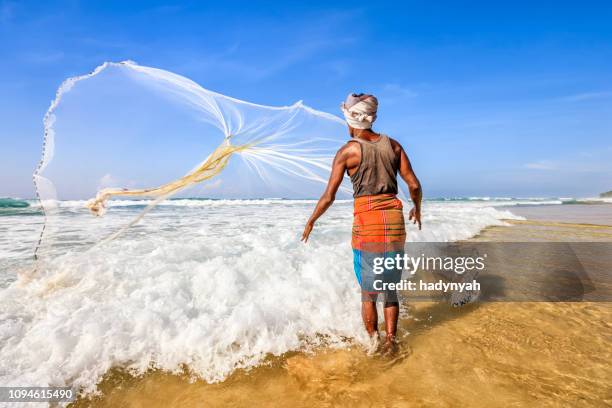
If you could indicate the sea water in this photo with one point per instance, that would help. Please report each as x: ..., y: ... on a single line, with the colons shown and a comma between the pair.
x: 212, y: 285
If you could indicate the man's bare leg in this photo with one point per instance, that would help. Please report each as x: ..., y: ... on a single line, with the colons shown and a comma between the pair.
x: 370, y: 316
x: 391, y: 312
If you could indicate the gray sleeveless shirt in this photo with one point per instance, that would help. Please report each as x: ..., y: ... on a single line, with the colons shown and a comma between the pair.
x: 377, y: 171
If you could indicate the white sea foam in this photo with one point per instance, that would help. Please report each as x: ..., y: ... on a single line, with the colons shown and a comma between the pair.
x: 595, y: 199
x: 190, y: 202
x: 216, y: 285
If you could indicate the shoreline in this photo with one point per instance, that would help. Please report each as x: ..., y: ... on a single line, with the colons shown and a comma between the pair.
x: 505, y: 353
x: 544, y: 231
x: 554, y: 223
x: 582, y: 214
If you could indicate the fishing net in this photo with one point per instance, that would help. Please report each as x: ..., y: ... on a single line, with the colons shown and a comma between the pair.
x: 129, y: 132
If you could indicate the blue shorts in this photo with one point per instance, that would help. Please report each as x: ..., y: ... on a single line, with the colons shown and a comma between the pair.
x: 368, y: 265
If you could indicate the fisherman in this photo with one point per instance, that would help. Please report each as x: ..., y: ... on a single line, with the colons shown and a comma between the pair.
x: 372, y: 161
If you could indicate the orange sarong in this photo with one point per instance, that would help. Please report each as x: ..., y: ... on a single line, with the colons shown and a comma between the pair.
x: 378, y: 230
x: 378, y: 219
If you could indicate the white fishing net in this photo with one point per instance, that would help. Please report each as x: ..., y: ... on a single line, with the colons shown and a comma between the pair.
x: 129, y: 132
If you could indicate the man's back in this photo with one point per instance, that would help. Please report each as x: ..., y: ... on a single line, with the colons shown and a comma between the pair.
x: 376, y: 172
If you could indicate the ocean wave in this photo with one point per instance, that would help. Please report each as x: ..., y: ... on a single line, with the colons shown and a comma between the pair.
x: 215, y: 294
x: 192, y: 202
x: 594, y: 200
x: 502, y: 201
x: 212, y: 202
x: 8, y: 202
x: 11, y: 207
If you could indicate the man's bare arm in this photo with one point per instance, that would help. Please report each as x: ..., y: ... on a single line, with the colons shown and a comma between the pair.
x: 328, y: 197
x: 414, y: 186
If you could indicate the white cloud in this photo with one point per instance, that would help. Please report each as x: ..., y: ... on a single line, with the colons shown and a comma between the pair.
x: 397, y: 90
x: 212, y: 185
x: 305, y: 40
x: 107, y: 181
x: 43, y: 57
x: 541, y: 165
x: 594, y: 161
x: 586, y: 96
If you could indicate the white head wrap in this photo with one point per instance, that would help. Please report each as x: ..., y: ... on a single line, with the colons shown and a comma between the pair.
x: 360, y: 110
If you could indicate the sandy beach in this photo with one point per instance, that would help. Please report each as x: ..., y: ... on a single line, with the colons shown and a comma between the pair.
x: 479, y: 355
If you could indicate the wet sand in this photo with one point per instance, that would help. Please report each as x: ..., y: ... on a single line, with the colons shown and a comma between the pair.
x: 595, y: 214
x: 480, y: 355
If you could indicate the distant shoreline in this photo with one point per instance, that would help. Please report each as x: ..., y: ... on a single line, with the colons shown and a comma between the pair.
x: 600, y: 214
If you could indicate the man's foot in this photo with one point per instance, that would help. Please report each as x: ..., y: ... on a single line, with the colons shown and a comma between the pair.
x: 373, y: 344
x: 390, y: 347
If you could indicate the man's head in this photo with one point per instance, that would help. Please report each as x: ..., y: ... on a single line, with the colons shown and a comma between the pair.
x: 360, y: 110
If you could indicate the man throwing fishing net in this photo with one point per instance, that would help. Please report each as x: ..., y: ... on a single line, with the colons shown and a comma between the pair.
x: 372, y: 160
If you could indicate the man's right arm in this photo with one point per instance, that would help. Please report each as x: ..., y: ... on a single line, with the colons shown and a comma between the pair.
x: 328, y: 197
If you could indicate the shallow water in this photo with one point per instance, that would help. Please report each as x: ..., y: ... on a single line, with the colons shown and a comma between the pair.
x: 496, y: 354
x: 480, y: 355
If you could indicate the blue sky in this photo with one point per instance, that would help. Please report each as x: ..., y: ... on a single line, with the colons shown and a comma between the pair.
x: 488, y: 99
